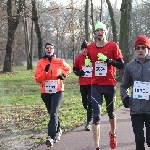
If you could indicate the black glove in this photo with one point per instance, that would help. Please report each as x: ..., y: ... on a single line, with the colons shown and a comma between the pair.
x: 77, y: 72
x: 81, y: 73
x: 108, y: 60
x: 61, y: 77
x: 126, y: 102
x: 47, y: 67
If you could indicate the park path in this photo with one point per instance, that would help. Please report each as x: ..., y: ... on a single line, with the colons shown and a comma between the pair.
x: 78, y: 139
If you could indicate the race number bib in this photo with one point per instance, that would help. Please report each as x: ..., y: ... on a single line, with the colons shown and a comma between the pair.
x: 141, y: 90
x: 87, y: 70
x: 100, y: 68
x: 50, y: 86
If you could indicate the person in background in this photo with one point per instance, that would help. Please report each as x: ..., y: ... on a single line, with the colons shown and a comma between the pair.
x: 50, y: 73
x: 137, y: 76
x: 105, y: 57
x: 84, y: 73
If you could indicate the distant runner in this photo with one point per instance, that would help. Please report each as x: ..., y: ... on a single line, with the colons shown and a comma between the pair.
x: 85, y: 74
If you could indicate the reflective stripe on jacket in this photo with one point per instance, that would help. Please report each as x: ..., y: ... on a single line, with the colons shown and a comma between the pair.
x: 57, y: 67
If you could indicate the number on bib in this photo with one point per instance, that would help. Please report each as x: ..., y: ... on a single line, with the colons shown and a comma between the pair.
x: 50, y: 86
x: 100, y: 68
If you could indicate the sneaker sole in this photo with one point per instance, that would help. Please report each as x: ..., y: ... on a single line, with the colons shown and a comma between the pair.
x: 56, y: 141
x: 87, y: 129
x: 113, y: 147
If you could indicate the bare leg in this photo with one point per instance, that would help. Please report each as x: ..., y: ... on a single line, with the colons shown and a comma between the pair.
x: 96, y: 134
x: 113, y: 125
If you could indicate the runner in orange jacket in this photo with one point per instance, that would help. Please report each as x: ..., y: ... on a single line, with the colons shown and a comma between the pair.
x: 50, y: 72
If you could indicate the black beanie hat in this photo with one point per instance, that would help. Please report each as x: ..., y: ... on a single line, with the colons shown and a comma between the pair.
x: 84, y: 44
x: 49, y: 44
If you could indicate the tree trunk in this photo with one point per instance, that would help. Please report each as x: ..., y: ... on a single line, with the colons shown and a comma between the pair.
x: 101, y: 10
x: 125, y: 28
x: 113, y: 23
x: 30, y: 66
x: 72, y: 30
x: 87, y: 34
x: 92, y: 17
x: 57, y: 41
x: 28, y: 45
x: 26, y: 33
x: 37, y: 29
x: 12, y: 26
x: 125, y: 31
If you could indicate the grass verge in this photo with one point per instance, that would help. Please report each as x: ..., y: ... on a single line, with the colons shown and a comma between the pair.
x: 22, y: 110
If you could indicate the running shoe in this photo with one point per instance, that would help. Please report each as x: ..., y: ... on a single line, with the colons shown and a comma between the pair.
x: 49, y: 142
x: 87, y: 127
x: 57, y: 137
x: 98, y: 148
x: 113, y: 142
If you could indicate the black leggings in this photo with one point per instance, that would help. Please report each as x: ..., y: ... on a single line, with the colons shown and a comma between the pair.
x: 138, y: 121
x: 52, y: 103
x: 97, y: 93
x: 85, y: 91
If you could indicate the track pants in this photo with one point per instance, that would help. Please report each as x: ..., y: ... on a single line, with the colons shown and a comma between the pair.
x: 85, y: 91
x: 138, y: 121
x: 52, y: 103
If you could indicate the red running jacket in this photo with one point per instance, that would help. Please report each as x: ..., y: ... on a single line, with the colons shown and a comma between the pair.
x: 79, y: 62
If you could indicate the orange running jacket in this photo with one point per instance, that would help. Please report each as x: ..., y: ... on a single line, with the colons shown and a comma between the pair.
x: 57, y: 67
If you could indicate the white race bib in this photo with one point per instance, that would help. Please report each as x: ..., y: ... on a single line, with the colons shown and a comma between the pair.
x: 100, y: 68
x: 50, y: 86
x: 87, y: 70
x: 141, y: 90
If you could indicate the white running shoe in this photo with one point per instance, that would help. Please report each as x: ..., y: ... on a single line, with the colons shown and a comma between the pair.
x: 49, y: 142
x: 57, y: 137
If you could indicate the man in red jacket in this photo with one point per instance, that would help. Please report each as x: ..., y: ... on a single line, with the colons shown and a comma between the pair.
x: 84, y: 74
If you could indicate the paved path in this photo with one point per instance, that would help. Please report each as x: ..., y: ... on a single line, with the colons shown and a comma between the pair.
x: 78, y: 139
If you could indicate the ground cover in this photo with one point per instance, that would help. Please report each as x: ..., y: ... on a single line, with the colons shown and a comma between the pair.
x: 23, y: 115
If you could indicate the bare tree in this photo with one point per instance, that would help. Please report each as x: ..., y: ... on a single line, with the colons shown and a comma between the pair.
x: 28, y: 43
x: 113, y: 23
x: 3, y: 31
x: 13, y: 21
x: 37, y: 28
x: 92, y: 16
x: 125, y: 32
x: 87, y: 34
x: 125, y: 28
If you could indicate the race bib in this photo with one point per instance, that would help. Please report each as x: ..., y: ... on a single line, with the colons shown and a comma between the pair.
x: 87, y: 70
x: 141, y: 90
x: 50, y: 86
x: 100, y: 68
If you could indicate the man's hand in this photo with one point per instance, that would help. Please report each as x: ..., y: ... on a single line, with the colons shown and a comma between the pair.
x: 77, y: 72
x: 126, y: 102
x: 47, y: 67
x: 61, y: 77
x: 81, y: 73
